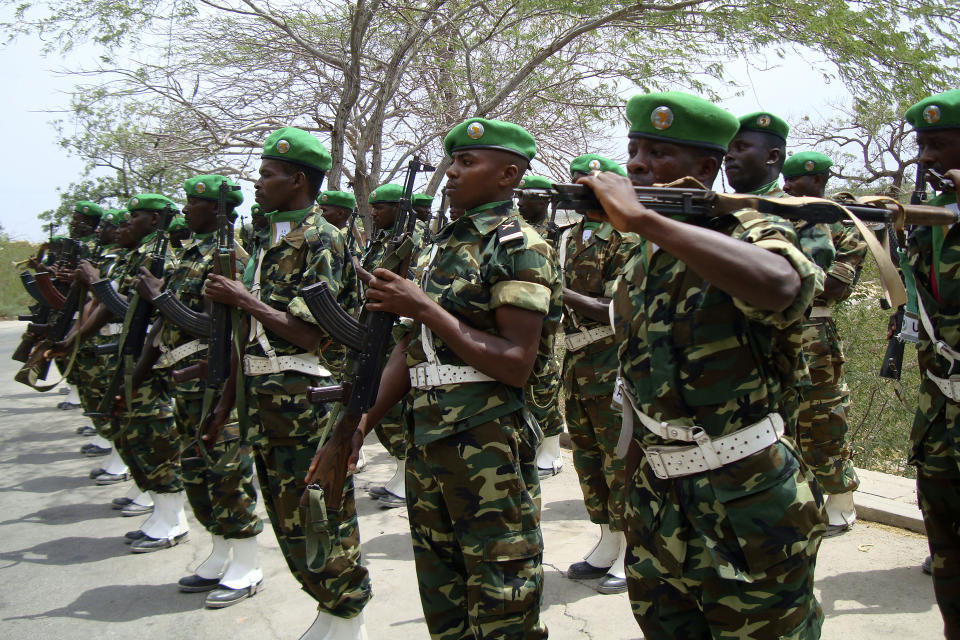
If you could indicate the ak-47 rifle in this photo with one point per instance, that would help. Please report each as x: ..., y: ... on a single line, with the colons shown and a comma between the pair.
x: 367, y: 342
x: 136, y: 322
x: 904, y: 324
x: 39, y: 316
x: 71, y: 302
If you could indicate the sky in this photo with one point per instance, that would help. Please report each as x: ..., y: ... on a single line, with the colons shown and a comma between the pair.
x: 37, y: 94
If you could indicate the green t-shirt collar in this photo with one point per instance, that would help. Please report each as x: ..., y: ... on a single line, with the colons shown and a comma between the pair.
x: 765, y: 189
x: 289, y: 216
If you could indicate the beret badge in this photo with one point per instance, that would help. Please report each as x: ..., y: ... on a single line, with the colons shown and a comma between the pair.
x: 809, y: 165
x: 86, y: 209
x: 594, y: 164
x: 200, y: 187
x: 931, y: 115
x: 475, y: 130
x: 661, y: 118
x: 134, y: 202
x: 283, y: 146
x: 323, y: 197
x: 764, y: 121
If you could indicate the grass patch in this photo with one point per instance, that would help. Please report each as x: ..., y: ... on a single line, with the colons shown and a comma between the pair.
x: 13, y: 299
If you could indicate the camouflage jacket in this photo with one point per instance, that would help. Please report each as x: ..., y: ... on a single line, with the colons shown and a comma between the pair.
x: 816, y: 242
x: 186, y: 283
x: 936, y: 429
x: 312, y: 251
x: 473, y: 274
x: 851, y: 249
x: 373, y: 256
x: 693, y: 355
x: 593, y: 261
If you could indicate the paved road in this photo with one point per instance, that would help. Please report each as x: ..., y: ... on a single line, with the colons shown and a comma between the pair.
x: 66, y: 574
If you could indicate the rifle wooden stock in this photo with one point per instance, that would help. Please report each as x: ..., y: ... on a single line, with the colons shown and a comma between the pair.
x: 50, y: 293
x: 193, y: 372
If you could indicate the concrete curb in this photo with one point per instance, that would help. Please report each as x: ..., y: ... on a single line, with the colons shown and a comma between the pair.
x: 889, y: 500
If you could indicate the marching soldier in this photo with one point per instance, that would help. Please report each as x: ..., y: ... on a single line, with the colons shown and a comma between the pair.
x: 179, y: 233
x: 286, y: 353
x: 723, y: 519
x: 337, y: 207
x: 535, y: 210
x: 592, y: 254
x: 756, y: 154
x: 934, y: 254
x: 223, y: 500
x: 421, y: 203
x: 822, y: 419
x: 490, y: 295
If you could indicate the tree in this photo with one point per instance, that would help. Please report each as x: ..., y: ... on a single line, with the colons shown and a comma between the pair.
x: 386, y: 79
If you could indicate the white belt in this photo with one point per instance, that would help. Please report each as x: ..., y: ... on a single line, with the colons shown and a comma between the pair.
x: 170, y: 357
x: 580, y: 339
x: 301, y: 363
x: 427, y: 376
x: 949, y: 387
x: 111, y: 329
x: 821, y: 312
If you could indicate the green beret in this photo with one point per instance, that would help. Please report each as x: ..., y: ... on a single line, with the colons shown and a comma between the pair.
x: 386, y: 193
x: 805, y: 163
x: 58, y: 238
x: 297, y: 146
x: 593, y: 162
x: 87, y: 208
x: 681, y: 118
x: 149, y: 202
x: 480, y: 133
x: 536, y: 182
x: 178, y: 222
x: 421, y: 200
x: 114, y: 216
x: 255, y: 210
x: 208, y: 188
x: 766, y: 122
x: 941, y: 111
x: 338, y: 199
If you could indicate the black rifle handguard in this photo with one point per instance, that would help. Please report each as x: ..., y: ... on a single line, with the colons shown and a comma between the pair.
x: 30, y: 285
x: 107, y: 349
x: 109, y: 298
x: 328, y: 313
x: 194, y: 323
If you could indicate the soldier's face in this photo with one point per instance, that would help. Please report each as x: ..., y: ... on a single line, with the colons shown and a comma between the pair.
x: 479, y: 176
x: 109, y: 234
x: 654, y: 161
x: 259, y: 221
x: 200, y: 214
x: 140, y: 224
x: 79, y: 227
x: 423, y: 213
x: 337, y: 216
x: 125, y: 236
x: 811, y: 186
x: 275, y: 186
x: 532, y: 209
x: 939, y: 150
x: 384, y: 214
x: 748, y: 161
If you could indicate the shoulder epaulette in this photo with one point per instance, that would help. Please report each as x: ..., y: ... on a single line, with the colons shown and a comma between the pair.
x: 509, y: 232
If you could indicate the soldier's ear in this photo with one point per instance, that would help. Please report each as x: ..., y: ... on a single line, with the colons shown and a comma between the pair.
x: 707, y: 168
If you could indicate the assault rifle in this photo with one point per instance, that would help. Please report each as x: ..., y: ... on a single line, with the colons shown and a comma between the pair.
x: 136, y: 321
x: 39, y: 316
x: 367, y: 342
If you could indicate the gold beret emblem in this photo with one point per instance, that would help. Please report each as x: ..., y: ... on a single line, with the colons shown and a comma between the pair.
x: 931, y: 115
x: 134, y: 202
x: 809, y: 165
x: 661, y: 118
x: 763, y: 121
x: 475, y: 130
x: 594, y: 164
x: 323, y: 198
x: 200, y: 187
x: 86, y: 209
x: 374, y: 195
x: 283, y: 146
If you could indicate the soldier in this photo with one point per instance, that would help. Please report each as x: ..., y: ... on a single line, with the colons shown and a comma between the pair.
x: 421, y: 203
x: 756, y: 154
x: 384, y: 202
x: 934, y: 254
x: 179, y: 233
x: 822, y: 420
x: 287, y: 352
x: 144, y: 431
x: 592, y: 254
x: 84, y: 224
x: 722, y: 533
x: 534, y: 209
x: 259, y: 229
x: 223, y: 500
x: 337, y: 207
x: 473, y: 495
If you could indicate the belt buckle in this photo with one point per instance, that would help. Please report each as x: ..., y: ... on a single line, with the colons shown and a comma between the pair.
x: 655, y: 460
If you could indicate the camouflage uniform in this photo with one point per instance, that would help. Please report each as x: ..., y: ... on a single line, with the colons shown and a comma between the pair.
x: 728, y: 553
x: 285, y: 427
x: 145, y: 434
x: 594, y: 257
x: 936, y: 427
x: 224, y: 502
x: 822, y: 421
x: 473, y: 494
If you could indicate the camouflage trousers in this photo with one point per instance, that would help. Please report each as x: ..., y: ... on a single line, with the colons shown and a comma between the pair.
x: 224, y: 502
x: 728, y: 554
x: 594, y: 429
x: 151, y: 448
x: 822, y: 420
x: 391, y: 430
x: 338, y: 582
x: 473, y: 500
x: 940, y: 504
x: 93, y: 377
x: 544, y: 404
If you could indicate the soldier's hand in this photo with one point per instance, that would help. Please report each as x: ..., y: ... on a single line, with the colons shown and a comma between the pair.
x: 85, y: 273
x: 355, y: 444
x: 891, y: 326
x: 387, y: 291
x: 954, y: 176
x: 224, y: 290
x: 211, y: 428
x: 619, y: 200
x: 148, y: 286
